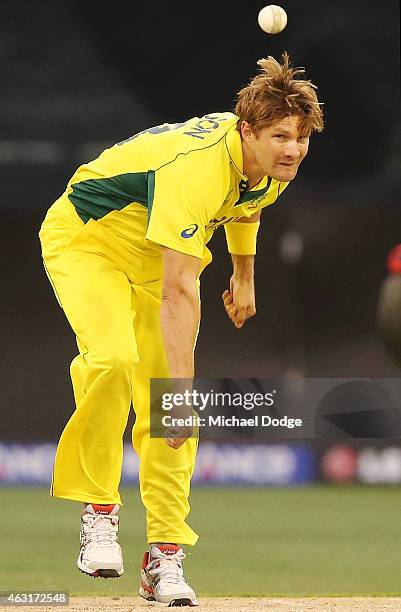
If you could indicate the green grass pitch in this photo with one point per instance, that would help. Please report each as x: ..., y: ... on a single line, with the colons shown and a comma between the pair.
x: 301, y: 541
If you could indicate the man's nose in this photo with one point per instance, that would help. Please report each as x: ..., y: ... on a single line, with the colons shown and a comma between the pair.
x: 292, y: 149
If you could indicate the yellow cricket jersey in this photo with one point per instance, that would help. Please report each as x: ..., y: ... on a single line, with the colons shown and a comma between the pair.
x: 187, y: 176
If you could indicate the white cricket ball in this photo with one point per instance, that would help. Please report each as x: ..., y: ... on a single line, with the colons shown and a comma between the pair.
x: 272, y: 19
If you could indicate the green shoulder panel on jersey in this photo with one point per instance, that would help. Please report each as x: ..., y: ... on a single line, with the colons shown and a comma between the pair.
x: 151, y: 191
x: 95, y: 198
x: 248, y: 196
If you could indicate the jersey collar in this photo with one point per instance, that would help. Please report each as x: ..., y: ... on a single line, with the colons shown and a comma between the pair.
x: 234, y: 148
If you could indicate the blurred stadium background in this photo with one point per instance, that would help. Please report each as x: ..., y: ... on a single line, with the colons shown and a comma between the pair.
x: 76, y: 79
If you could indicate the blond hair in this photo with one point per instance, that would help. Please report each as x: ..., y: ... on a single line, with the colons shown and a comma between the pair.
x: 275, y: 93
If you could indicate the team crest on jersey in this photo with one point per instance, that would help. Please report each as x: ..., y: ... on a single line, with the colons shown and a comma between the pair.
x: 189, y: 231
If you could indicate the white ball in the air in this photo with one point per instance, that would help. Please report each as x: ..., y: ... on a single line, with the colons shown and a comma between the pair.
x: 272, y: 19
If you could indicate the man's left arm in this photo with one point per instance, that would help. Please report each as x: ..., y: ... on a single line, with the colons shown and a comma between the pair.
x: 239, y: 300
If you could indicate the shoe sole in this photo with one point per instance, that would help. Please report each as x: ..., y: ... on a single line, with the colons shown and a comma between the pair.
x: 103, y: 573
x: 181, y: 603
x: 100, y: 572
x: 175, y: 603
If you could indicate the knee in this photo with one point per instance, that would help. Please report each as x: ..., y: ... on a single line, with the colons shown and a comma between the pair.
x: 122, y: 363
x: 116, y: 364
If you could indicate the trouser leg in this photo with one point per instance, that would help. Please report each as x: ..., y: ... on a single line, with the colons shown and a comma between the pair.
x: 96, y: 298
x: 165, y: 473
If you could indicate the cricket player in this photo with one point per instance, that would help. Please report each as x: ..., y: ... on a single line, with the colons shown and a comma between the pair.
x: 124, y: 247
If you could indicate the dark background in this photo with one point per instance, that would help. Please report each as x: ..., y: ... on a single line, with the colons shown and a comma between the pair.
x: 76, y: 78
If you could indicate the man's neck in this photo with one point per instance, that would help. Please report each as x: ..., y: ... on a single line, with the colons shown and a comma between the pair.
x: 250, y: 167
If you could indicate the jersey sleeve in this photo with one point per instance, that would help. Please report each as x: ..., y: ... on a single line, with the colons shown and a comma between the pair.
x: 184, y: 195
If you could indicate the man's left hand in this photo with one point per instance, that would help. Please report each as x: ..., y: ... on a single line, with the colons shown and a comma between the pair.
x: 239, y: 300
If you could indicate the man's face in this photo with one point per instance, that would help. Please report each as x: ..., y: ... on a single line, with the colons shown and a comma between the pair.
x: 277, y: 150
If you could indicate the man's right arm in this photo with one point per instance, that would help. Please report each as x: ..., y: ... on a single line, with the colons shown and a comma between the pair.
x: 180, y: 311
x: 180, y: 318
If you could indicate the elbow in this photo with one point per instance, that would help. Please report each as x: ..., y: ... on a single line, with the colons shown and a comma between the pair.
x: 172, y: 293
x: 178, y: 289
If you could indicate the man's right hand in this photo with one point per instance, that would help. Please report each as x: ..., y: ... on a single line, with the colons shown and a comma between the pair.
x: 172, y: 439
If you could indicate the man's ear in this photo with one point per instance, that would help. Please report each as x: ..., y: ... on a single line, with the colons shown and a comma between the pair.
x: 246, y: 130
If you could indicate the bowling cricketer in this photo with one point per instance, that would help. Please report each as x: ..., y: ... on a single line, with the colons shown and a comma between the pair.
x: 124, y: 247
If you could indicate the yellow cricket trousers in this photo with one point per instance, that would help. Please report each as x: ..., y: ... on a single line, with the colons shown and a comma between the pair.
x: 108, y: 283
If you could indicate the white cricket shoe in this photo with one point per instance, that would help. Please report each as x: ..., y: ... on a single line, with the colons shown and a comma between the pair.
x: 100, y: 553
x: 162, y: 577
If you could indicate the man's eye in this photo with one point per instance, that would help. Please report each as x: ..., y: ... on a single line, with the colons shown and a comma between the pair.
x: 280, y: 136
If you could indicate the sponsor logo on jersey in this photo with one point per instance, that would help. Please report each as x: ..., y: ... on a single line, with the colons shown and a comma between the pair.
x: 189, y: 231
